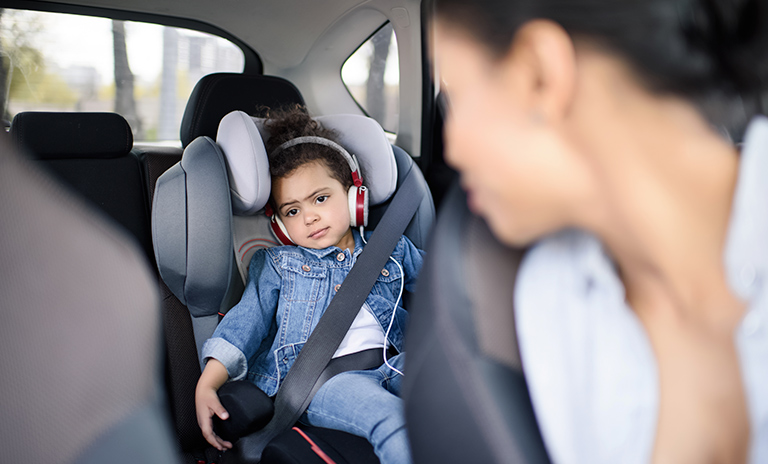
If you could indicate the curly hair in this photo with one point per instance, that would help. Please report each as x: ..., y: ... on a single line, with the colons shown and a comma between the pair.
x: 294, y: 121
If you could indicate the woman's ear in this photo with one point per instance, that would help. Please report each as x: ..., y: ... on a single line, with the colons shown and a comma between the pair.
x: 543, y: 58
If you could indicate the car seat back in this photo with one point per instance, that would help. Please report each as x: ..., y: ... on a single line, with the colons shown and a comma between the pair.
x: 91, y: 152
x: 218, y: 94
x: 465, y: 394
x: 81, y: 331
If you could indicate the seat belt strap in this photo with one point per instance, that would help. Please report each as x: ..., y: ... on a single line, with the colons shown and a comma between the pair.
x: 295, y: 394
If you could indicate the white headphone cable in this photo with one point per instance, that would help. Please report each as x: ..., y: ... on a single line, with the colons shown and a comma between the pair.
x: 394, y: 310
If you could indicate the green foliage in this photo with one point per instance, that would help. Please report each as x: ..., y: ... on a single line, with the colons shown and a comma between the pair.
x: 31, y: 80
x: 41, y: 88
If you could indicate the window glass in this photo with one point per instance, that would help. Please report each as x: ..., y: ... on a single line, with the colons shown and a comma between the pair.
x: 372, y: 76
x: 61, y: 62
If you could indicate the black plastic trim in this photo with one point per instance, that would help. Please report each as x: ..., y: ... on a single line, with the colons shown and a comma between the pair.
x: 428, y: 107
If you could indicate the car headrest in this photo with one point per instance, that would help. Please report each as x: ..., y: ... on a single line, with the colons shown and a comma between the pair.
x: 242, y: 139
x: 217, y: 94
x: 72, y: 135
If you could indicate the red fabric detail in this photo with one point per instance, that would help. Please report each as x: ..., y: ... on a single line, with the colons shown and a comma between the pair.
x: 258, y: 245
x: 314, y: 447
x: 272, y: 242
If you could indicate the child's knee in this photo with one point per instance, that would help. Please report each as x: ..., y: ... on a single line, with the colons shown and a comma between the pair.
x: 390, y: 425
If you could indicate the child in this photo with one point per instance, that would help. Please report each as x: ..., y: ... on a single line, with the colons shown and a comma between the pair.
x: 289, y: 288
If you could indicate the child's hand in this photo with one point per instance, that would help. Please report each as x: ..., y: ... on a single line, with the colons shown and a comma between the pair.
x: 207, y: 402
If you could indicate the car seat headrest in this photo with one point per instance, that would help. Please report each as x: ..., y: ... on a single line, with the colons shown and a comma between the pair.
x: 217, y: 94
x: 72, y: 135
x: 242, y: 140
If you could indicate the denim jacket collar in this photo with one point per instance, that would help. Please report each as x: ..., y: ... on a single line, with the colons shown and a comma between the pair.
x: 322, y: 253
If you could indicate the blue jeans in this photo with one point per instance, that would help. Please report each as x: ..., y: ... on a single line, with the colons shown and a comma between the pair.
x: 366, y: 404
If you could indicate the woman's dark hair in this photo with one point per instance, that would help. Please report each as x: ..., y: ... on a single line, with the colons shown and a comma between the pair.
x: 290, y: 122
x: 712, y: 52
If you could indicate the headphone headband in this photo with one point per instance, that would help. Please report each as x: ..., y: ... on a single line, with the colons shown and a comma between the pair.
x: 351, y: 159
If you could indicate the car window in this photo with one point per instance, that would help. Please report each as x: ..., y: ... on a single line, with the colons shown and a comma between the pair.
x: 145, y: 72
x: 372, y: 76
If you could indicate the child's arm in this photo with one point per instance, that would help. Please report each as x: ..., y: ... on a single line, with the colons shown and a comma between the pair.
x: 207, y: 402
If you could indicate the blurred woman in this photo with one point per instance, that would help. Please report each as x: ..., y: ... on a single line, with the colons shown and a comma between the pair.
x: 600, y: 133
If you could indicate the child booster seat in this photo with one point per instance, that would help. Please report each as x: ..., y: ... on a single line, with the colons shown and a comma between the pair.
x: 214, y: 96
x: 208, y: 218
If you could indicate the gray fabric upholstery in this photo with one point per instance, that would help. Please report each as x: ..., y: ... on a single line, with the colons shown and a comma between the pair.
x: 491, y: 267
x: 250, y: 234
x: 421, y: 225
x: 192, y: 228
x: 141, y: 437
x: 203, y: 328
x: 192, y: 236
x: 464, y: 393
x: 80, y: 336
x: 91, y: 152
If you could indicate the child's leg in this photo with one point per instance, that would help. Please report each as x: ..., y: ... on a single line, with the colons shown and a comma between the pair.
x: 358, y: 402
x: 395, y: 380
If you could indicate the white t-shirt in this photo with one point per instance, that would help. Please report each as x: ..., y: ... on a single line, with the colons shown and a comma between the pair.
x: 364, y: 333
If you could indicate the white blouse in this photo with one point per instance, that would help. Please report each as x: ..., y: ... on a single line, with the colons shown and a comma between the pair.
x: 588, y: 361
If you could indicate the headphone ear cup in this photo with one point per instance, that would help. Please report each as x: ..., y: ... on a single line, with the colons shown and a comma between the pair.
x: 357, y: 197
x: 279, y: 230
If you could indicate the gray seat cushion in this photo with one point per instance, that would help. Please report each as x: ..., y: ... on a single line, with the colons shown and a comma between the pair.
x: 81, y: 328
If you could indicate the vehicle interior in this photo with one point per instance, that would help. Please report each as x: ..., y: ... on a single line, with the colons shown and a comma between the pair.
x: 86, y: 114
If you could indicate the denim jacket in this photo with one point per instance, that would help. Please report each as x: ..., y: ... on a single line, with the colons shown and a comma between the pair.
x: 288, y: 289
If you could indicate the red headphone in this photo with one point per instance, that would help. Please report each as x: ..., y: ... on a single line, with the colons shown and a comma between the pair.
x: 357, y: 195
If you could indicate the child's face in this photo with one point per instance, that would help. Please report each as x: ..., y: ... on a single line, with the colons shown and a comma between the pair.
x: 313, y: 206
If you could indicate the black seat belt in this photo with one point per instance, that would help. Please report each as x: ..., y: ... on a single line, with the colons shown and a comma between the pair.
x: 297, y: 389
